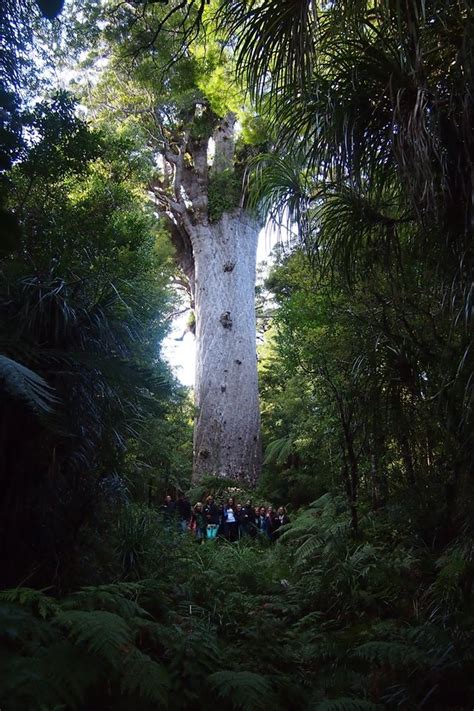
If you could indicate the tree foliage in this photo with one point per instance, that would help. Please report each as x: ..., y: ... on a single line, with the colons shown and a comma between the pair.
x: 82, y: 300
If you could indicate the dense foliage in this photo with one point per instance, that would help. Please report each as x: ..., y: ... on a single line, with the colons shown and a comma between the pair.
x: 318, y: 620
x: 83, y: 295
x: 364, y: 111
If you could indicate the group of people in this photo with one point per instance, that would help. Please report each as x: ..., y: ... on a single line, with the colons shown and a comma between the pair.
x: 229, y: 519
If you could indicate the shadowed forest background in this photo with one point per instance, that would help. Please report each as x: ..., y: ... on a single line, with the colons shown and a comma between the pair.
x: 354, y: 133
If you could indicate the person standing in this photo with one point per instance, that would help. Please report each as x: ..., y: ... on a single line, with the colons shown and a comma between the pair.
x: 230, y: 520
x: 239, y: 517
x: 184, y: 512
x: 281, y: 519
x: 248, y: 519
x: 198, y: 522
x: 211, y: 512
x: 270, y: 523
x: 168, y: 511
x: 261, y: 520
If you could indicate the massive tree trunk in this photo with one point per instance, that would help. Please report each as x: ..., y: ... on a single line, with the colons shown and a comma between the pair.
x: 219, y: 260
x: 226, y: 436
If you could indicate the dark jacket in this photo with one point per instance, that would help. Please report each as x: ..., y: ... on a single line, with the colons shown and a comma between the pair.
x: 248, y: 515
x: 211, y: 512
x: 183, y: 508
x: 168, y: 509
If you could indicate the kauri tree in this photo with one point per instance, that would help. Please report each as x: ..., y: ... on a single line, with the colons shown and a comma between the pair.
x: 189, y: 107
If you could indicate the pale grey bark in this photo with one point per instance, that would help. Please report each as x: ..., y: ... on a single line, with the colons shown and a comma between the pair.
x: 219, y: 260
x: 227, y: 430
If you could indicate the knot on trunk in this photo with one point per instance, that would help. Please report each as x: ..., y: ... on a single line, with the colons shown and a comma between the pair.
x: 228, y: 266
x: 226, y: 320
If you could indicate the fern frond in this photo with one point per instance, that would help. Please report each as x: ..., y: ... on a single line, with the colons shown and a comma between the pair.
x: 21, y: 626
x: 112, y: 598
x: 144, y: 678
x: 34, y: 600
x: 311, y: 545
x: 102, y: 633
x: 323, y: 501
x: 344, y: 678
x: 278, y: 451
x: 245, y: 690
x: 22, y: 685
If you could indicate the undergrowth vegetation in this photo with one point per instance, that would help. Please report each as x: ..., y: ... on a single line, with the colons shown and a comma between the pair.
x: 320, y: 620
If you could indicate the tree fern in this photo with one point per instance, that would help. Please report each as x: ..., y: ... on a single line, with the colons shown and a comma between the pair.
x: 278, y: 451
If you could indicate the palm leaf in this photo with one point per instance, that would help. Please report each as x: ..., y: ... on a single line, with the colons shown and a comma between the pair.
x: 278, y: 186
x: 22, y: 383
x: 274, y: 42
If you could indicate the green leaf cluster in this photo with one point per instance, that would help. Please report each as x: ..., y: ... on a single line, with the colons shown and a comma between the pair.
x: 224, y: 193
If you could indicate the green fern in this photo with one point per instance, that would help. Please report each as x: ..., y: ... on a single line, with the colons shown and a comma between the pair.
x: 278, y: 451
x: 22, y: 626
x: 33, y: 600
x: 246, y: 690
x: 144, y: 678
x: 102, y: 633
x: 117, y: 598
x: 22, y: 685
x: 343, y: 678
